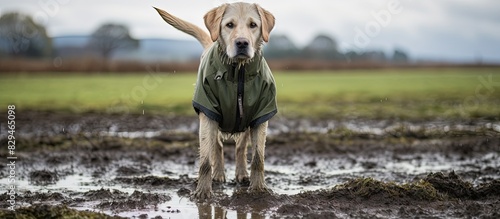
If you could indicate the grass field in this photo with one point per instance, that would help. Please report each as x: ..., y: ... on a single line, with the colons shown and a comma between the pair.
x: 394, y: 93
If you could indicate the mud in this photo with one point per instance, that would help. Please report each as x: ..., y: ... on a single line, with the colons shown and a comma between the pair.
x: 145, y: 166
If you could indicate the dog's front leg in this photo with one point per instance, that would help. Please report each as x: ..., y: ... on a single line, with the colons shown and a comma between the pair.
x: 208, y: 141
x: 258, y: 135
x: 241, y: 157
x: 217, y: 161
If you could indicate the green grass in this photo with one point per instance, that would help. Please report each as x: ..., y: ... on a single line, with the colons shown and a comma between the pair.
x: 395, y: 93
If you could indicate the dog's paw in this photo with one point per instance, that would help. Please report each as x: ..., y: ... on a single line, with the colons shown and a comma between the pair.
x: 201, y: 194
x: 243, y: 180
x: 258, y: 189
x: 221, y: 178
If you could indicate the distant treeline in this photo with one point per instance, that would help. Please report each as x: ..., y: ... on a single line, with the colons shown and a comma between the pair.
x: 25, y: 46
x: 325, y: 48
x: 100, y: 66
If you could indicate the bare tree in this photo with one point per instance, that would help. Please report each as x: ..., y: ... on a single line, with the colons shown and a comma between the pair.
x: 20, y: 36
x: 322, y: 47
x: 399, y: 56
x: 280, y: 47
x: 110, y: 37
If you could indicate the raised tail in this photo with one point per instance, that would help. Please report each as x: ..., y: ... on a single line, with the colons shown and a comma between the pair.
x: 186, y: 27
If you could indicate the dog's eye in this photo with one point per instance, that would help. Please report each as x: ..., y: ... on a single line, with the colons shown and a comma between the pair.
x: 253, y: 25
x: 230, y: 25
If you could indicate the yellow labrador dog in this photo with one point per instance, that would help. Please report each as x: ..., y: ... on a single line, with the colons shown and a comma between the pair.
x: 235, y: 92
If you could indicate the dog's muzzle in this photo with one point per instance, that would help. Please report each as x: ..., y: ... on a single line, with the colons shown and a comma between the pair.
x: 242, y: 48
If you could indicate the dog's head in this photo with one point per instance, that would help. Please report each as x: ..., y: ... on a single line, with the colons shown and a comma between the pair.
x: 240, y: 28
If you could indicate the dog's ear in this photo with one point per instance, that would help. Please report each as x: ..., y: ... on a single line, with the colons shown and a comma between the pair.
x: 213, y: 19
x: 267, y: 20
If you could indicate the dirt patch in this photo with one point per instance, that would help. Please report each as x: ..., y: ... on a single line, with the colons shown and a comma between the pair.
x: 49, y: 211
x: 378, y: 198
x: 104, y: 194
x: 489, y: 190
x: 132, y: 170
x: 40, y: 197
x: 136, y: 201
x: 146, y: 167
x: 451, y: 185
x: 434, y: 187
x: 43, y: 177
x: 154, y: 181
x: 293, y: 209
x: 258, y: 201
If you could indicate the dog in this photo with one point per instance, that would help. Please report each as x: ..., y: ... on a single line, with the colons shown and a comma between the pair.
x: 235, y: 92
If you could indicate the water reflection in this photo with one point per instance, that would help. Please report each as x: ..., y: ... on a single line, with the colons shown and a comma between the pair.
x: 205, y: 212
x: 208, y: 211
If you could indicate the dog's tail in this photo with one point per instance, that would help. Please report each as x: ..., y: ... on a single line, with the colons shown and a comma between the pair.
x: 186, y: 27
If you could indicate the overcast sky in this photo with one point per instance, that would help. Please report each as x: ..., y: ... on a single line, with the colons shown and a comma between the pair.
x: 439, y: 29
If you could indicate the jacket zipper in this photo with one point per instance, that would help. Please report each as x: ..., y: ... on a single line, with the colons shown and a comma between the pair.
x: 239, y: 103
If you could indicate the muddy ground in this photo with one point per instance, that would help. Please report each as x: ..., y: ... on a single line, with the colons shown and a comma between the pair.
x: 145, y: 166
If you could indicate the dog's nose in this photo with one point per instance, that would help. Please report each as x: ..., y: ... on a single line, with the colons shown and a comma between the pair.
x: 241, y: 43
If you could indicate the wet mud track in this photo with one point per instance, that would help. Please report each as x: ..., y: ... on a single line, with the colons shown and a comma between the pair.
x: 137, y: 166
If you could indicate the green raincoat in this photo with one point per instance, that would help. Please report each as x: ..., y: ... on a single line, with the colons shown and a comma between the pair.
x: 235, y: 97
